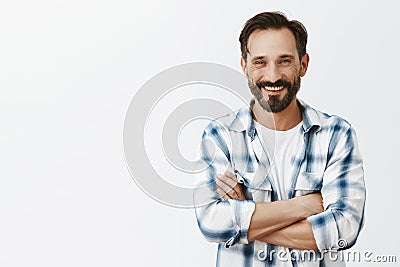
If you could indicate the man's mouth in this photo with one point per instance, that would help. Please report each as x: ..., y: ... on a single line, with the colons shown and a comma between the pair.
x: 273, y: 88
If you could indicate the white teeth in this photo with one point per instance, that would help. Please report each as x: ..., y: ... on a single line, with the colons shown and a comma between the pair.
x: 273, y: 88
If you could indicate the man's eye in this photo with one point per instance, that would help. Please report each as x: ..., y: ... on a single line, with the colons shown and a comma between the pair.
x: 285, y: 61
x: 259, y: 62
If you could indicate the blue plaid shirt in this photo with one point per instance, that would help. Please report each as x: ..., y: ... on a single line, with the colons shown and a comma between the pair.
x: 329, y: 161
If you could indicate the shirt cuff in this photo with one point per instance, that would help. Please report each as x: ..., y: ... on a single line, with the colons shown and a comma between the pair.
x: 242, y: 211
x: 325, y: 230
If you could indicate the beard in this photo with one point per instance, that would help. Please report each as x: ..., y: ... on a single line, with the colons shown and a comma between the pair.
x: 274, y: 104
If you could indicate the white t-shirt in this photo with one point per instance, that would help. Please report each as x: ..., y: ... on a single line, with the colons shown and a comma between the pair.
x: 281, y: 147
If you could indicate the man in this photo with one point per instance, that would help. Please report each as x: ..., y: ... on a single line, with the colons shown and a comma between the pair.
x: 282, y: 178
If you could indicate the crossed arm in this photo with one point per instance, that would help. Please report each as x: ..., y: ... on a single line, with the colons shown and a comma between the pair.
x: 280, y: 223
x: 300, y: 222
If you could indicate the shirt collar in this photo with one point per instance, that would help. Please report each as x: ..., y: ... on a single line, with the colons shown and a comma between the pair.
x: 244, y: 119
x: 310, y: 117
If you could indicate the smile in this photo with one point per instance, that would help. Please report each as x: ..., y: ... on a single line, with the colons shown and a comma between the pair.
x: 273, y: 88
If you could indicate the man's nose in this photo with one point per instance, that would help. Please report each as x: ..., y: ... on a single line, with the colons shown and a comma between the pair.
x: 272, y: 73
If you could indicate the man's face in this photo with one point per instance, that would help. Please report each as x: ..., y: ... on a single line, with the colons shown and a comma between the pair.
x: 273, y: 68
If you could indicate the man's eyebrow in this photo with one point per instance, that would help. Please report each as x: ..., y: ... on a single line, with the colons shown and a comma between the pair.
x: 281, y: 56
x: 258, y: 57
x: 286, y: 56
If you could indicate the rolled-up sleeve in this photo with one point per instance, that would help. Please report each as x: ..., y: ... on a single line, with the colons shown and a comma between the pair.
x: 219, y: 220
x: 343, y: 192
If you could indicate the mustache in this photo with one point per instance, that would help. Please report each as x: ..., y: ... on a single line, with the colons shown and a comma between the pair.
x: 278, y: 83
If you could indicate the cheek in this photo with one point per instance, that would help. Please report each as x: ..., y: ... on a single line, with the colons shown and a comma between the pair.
x: 291, y: 72
x: 254, y: 74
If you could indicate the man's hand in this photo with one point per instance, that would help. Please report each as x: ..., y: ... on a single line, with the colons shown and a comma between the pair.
x: 228, y: 187
x: 271, y: 221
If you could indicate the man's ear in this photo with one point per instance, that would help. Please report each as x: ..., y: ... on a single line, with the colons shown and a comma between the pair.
x: 304, y: 64
x: 243, y: 64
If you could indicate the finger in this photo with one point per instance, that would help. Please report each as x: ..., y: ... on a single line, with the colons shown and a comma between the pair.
x: 233, y: 185
x: 231, y: 179
x: 234, y: 188
x: 222, y: 194
x: 231, y: 193
x: 225, y: 188
x: 230, y: 175
x: 231, y: 182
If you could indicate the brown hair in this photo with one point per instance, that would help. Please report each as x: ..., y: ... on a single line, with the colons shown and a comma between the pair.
x: 275, y: 21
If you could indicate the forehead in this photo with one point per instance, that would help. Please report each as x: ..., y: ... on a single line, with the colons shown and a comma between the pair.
x: 271, y: 43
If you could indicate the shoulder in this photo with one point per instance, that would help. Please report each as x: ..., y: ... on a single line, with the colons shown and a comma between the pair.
x: 326, y: 122
x: 333, y: 122
x: 236, y: 120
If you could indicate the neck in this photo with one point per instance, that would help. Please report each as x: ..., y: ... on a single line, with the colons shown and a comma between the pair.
x: 280, y: 121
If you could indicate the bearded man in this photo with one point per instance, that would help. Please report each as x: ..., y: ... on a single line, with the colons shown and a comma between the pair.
x: 285, y: 182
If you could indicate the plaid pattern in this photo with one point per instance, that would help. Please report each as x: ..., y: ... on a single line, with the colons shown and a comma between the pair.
x: 328, y: 160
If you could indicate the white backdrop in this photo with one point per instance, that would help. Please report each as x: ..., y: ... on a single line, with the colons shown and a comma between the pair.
x: 68, y: 71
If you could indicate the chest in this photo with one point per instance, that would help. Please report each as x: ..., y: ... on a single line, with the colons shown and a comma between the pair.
x: 304, y: 164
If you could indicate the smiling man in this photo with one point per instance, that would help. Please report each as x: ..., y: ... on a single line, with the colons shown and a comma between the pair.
x: 282, y: 179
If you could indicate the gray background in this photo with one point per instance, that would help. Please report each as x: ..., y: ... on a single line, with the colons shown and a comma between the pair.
x: 68, y: 70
